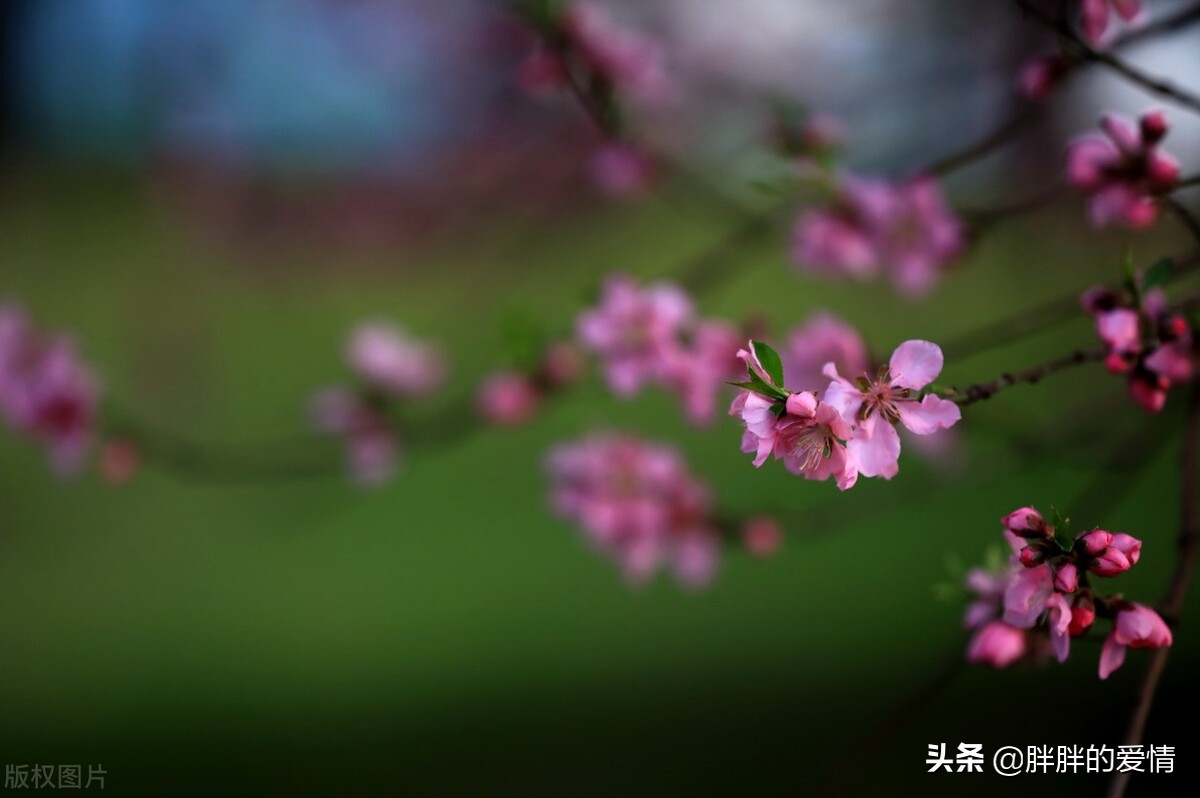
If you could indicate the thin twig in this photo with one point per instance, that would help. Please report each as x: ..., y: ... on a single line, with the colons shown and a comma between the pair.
x: 985, y: 145
x: 1151, y: 83
x: 1172, y: 603
x: 1030, y: 376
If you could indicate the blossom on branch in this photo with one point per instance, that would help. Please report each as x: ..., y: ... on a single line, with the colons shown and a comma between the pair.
x: 1095, y: 14
x: 1123, y: 171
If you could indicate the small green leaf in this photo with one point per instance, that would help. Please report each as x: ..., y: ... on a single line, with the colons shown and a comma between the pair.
x: 770, y: 361
x: 1158, y: 273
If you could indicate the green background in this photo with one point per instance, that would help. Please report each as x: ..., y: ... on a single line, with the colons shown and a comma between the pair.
x: 445, y: 634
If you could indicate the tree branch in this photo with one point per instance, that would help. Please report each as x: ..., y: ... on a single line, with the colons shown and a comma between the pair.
x: 1030, y: 376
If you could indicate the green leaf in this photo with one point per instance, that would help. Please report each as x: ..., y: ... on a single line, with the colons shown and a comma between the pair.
x: 770, y: 361
x: 1158, y: 273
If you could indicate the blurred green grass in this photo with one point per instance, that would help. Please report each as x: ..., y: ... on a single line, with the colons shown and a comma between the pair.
x: 446, y: 634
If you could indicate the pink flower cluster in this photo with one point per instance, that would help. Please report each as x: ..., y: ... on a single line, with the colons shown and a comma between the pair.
x: 390, y: 366
x: 602, y: 52
x: 512, y: 396
x: 1042, y: 597
x: 873, y: 226
x: 47, y: 394
x: 1123, y: 171
x: 850, y: 429
x: 1147, y: 341
x: 638, y: 504
x: 651, y: 335
x: 1095, y: 15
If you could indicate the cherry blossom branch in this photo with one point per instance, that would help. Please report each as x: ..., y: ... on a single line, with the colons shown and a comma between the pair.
x: 1168, y: 23
x: 1081, y: 49
x: 1172, y: 603
x: 1030, y: 376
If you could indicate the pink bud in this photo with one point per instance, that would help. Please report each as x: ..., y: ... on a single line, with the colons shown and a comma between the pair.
x: 1026, y: 522
x: 802, y: 404
x: 507, y: 398
x: 1154, y: 127
x: 1128, y: 545
x: 1149, y: 390
x: 1118, y: 363
x: 1032, y: 556
x: 1096, y: 541
x: 1083, y: 615
x: 762, y: 535
x: 1066, y: 578
x: 1109, y: 563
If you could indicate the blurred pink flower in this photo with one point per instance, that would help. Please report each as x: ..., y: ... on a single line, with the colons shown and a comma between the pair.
x: 1123, y: 171
x: 1026, y: 595
x: 905, y: 229
x: 997, y: 644
x: 507, y: 398
x: 634, y: 331
x: 1136, y: 626
x: 371, y: 448
x: 1094, y: 15
x: 822, y: 338
x: 1040, y: 75
x: 638, y: 504
x: 389, y: 360
x: 699, y: 370
x: 621, y: 171
x: 46, y: 392
x: 762, y: 535
x: 634, y: 64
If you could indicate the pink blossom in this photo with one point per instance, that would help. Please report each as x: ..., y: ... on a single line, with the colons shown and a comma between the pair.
x: 762, y: 535
x: 1083, y: 614
x: 370, y: 445
x: 1059, y: 622
x: 46, y: 392
x: 892, y: 397
x: 1136, y: 626
x: 1026, y: 595
x: 997, y: 644
x: 906, y: 229
x: 988, y: 588
x: 699, y: 370
x: 1094, y: 15
x: 1123, y: 171
x: 638, y: 504
x: 634, y: 331
x: 822, y: 338
x: 389, y: 360
x: 542, y: 72
x: 507, y: 398
x: 1149, y: 390
x: 809, y: 441
x: 634, y: 64
x: 621, y: 171
x: 755, y: 412
x: 1096, y: 541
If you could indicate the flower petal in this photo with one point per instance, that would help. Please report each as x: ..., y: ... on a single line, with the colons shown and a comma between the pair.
x: 875, y: 448
x: 915, y: 364
x: 931, y: 414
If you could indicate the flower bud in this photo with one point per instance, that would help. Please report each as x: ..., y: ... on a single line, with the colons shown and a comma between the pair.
x: 1154, y: 127
x: 1027, y: 522
x: 1128, y: 545
x: 1095, y: 541
x: 802, y: 404
x: 1032, y: 556
x: 1149, y: 390
x: 1066, y: 578
x: 998, y: 645
x: 1110, y: 562
x: 1083, y: 614
x: 762, y: 535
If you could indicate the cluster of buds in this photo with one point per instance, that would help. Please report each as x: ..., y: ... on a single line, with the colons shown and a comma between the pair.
x: 579, y: 48
x: 388, y: 366
x: 1043, y: 596
x: 849, y: 428
x: 47, y: 394
x: 651, y: 335
x: 872, y: 227
x: 1124, y: 171
x: 1148, y: 341
x: 512, y: 396
x: 638, y: 504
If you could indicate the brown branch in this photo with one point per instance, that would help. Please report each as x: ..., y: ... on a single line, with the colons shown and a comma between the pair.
x: 1172, y: 603
x: 1086, y: 52
x: 1030, y: 376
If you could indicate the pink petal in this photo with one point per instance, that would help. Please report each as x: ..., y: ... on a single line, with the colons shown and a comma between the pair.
x: 1112, y: 656
x: 915, y: 364
x: 876, y: 448
x: 844, y: 398
x: 931, y: 414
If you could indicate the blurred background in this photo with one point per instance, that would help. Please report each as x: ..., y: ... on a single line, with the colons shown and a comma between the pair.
x: 211, y: 193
